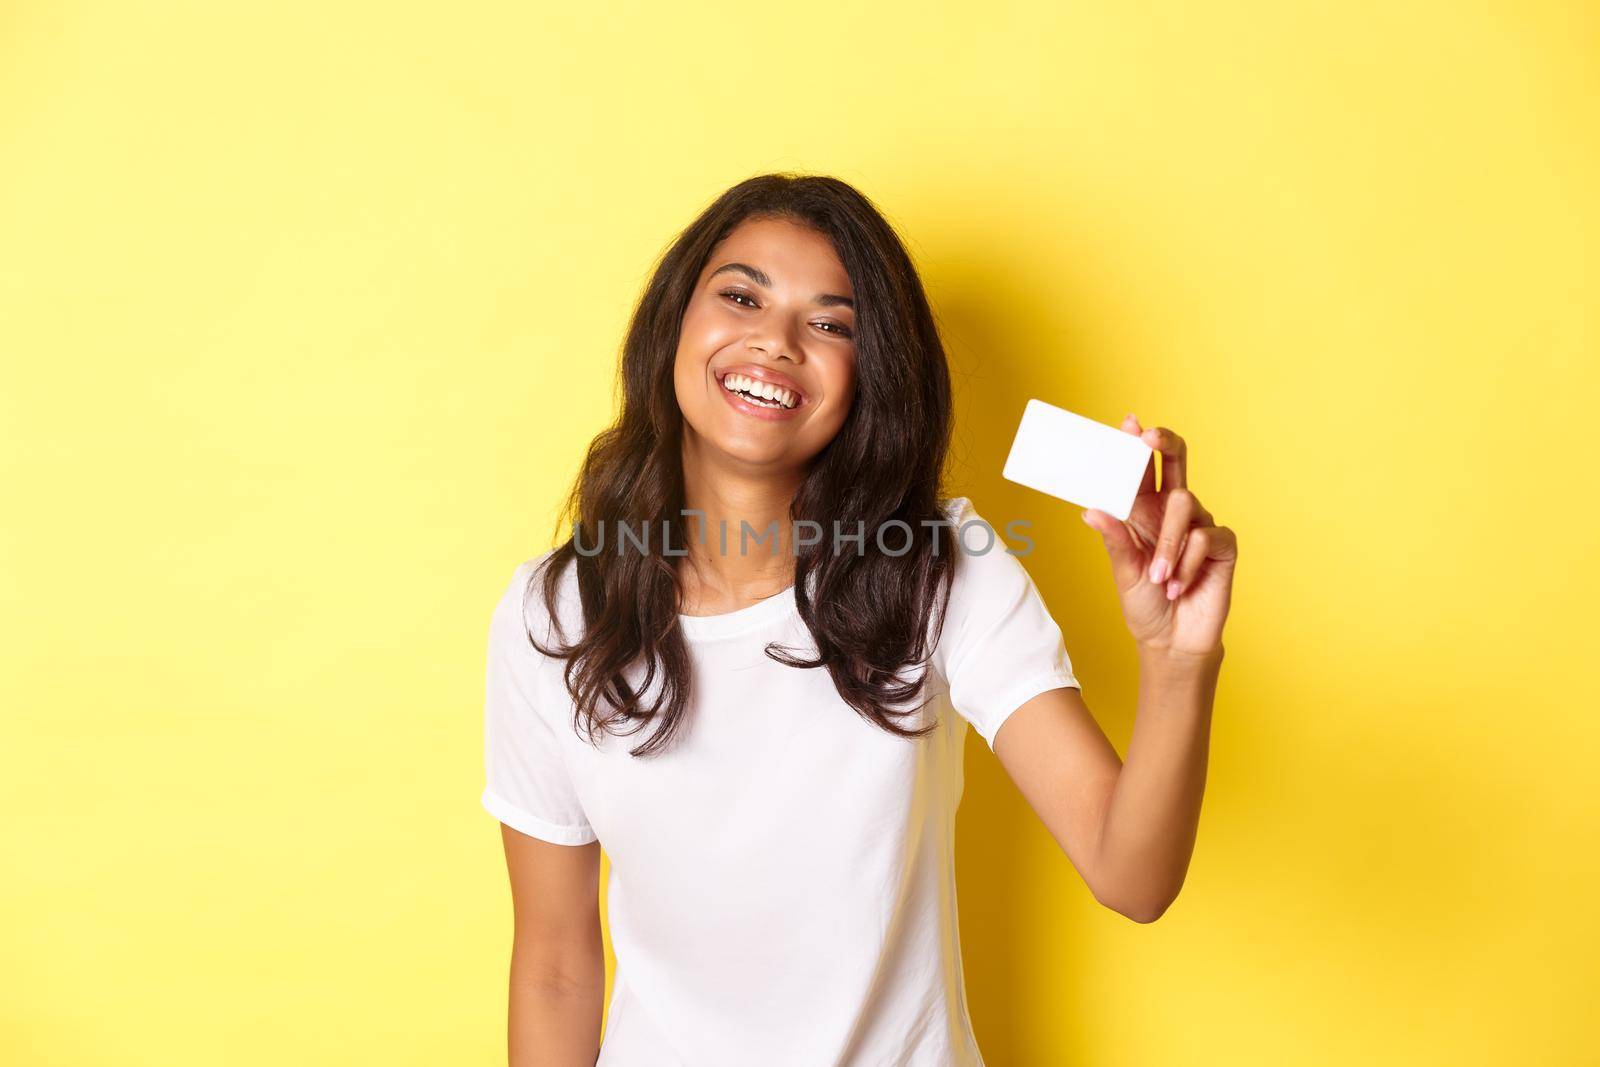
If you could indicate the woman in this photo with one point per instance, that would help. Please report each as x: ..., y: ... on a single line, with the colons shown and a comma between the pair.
x: 749, y: 671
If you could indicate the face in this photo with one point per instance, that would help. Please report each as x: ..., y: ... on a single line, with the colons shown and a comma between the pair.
x: 771, y: 314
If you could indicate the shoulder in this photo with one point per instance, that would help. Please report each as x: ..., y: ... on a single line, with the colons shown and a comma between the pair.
x: 976, y: 532
x: 999, y: 643
x: 982, y: 552
x: 990, y: 583
x: 524, y: 607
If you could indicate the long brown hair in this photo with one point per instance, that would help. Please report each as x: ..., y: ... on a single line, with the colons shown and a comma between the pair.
x: 870, y: 613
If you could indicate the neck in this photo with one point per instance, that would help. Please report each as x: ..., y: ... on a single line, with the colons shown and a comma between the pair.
x: 728, y: 494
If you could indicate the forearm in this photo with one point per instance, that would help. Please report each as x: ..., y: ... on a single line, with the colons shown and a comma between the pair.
x: 1148, y: 831
x: 556, y: 1006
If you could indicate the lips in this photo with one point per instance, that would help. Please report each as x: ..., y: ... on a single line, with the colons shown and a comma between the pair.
x: 764, y: 374
x: 759, y: 412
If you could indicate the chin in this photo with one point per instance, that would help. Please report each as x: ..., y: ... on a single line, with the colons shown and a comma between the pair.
x: 755, y: 453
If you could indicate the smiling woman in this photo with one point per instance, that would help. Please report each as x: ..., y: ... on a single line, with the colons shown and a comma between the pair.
x: 793, y: 282
x: 782, y: 843
x: 805, y: 333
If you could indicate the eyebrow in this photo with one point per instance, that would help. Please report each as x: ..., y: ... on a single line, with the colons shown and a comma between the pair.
x: 761, y: 279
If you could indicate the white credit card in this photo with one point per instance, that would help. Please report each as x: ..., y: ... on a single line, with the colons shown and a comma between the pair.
x: 1079, y: 460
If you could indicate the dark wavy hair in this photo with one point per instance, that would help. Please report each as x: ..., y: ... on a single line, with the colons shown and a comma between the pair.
x: 871, y: 611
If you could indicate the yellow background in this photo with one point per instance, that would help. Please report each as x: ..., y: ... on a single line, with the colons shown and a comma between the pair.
x: 308, y: 311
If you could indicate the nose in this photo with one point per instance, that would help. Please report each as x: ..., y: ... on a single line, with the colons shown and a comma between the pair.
x: 771, y: 336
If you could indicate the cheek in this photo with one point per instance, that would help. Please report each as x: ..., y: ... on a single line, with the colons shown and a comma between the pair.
x: 696, y: 345
x: 687, y: 373
x: 688, y: 367
x: 704, y: 330
x: 844, y: 382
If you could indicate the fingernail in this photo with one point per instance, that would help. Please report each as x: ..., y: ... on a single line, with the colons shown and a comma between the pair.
x: 1084, y: 515
x: 1158, y: 570
x: 1172, y: 589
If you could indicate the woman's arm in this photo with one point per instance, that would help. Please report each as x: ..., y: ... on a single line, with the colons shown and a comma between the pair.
x: 1129, y: 829
x: 1148, y: 835
x: 558, y: 972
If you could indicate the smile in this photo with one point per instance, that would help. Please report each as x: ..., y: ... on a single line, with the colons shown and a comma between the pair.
x: 759, y: 398
x: 762, y: 394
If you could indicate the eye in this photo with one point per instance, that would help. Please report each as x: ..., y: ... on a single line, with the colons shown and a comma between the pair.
x: 737, y: 295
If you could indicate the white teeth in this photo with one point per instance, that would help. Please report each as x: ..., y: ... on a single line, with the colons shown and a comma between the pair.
x: 762, y: 393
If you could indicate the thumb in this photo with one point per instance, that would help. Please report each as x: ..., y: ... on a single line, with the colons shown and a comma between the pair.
x: 1126, y: 566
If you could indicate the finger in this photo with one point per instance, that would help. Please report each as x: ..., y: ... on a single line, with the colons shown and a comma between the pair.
x: 1224, y: 544
x: 1147, y: 511
x: 1174, y: 456
x: 1220, y: 544
x: 1175, y: 523
x: 1127, y: 558
x: 1202, y: 515
x: 1147, y: 484
x: 1145, y: 521
x: 1195, y: 551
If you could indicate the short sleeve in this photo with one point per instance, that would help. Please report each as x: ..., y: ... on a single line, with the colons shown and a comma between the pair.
x: 528, y: 786
x: 999, y: 645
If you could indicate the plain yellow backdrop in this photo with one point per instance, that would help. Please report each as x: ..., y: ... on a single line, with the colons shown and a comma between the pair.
x: 308, y: 311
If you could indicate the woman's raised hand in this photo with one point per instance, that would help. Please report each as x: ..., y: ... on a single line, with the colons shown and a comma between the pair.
x: 1172, y: 565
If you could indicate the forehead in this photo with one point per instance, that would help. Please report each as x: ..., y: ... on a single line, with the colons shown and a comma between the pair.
x: 790, y: 253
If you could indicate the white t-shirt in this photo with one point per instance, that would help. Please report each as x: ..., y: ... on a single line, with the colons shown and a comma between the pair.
x: 782, y: 886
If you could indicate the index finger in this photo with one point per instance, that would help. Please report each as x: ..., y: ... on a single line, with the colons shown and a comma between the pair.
x: 1174, y: 456
x: 1147, y: 484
